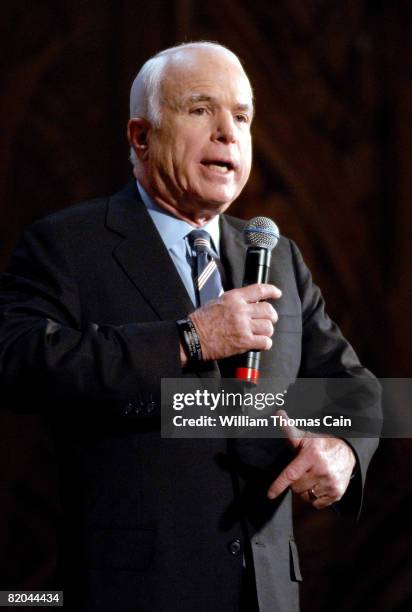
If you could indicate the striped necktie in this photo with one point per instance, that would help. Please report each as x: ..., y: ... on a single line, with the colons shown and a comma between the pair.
x: 207, y: 280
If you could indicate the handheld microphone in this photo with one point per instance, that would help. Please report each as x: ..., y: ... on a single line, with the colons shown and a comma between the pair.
x: 262, y: 235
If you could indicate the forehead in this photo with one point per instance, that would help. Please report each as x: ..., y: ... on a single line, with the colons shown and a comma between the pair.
x: 208, y: 72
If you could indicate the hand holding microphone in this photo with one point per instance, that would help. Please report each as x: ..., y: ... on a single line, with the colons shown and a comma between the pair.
x: 241, y: 321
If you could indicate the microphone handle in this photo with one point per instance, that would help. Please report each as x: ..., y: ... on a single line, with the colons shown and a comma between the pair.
x: 257, y: 267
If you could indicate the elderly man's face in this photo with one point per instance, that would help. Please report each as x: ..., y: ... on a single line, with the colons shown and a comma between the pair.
x: 199, y: 160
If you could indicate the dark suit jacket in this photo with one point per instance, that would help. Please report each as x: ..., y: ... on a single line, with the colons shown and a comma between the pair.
x: 88, y: 311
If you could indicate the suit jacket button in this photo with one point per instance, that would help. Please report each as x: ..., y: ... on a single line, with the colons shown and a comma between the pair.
x: 234, y: 547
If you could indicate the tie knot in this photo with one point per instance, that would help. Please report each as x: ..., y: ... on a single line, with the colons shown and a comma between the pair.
x: 199, y: 240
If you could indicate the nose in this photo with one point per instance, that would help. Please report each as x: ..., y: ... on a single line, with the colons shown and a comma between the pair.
x: 224, y: 128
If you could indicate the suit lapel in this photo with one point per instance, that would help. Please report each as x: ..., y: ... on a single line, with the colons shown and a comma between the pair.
x: 144, y: 258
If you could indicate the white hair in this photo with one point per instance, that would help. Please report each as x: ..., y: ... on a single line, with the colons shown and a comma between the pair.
x: 145, y: 90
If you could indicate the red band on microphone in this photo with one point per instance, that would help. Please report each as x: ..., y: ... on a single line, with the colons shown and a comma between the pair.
x: 247, y: 374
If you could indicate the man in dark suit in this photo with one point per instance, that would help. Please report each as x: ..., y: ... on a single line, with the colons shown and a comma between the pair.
x: 89, y: 312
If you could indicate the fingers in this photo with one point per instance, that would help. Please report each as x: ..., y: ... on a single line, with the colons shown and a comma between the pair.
x: 260, y: 292
x: 262, y: 327
x: 261, y: 343
x: 319, y: 495
x: 318, y: 501
x: 263, y: 310
x: 262, y: 330
x: 262, y: 320
x: 292, y: 433
x: 322, y: 502
x: 306, y: 483
x: 292, y: 472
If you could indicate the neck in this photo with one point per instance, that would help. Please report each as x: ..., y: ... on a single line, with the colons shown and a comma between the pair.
x: 195, y: 217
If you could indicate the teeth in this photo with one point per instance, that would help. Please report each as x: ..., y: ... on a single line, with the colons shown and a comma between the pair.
x: 221, y: 169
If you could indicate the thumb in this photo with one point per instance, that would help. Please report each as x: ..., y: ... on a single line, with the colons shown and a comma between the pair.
x: 292, y: 433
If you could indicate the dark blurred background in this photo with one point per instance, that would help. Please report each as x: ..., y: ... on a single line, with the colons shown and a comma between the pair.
x: 332, y: 158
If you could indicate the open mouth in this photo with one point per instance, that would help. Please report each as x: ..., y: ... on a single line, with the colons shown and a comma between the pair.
x: 221, y: 166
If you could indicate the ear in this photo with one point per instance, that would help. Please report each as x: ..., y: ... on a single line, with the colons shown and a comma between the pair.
x: 138, y: 135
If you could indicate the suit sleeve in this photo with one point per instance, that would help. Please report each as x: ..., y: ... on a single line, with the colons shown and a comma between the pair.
x: 327, y: 354
x: 47, y: 348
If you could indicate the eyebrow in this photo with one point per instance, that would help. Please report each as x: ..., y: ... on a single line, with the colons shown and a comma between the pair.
x: 193, y: 98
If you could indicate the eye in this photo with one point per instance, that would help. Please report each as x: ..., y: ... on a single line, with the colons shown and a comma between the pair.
x: 200, y: 110
x: 242, y: 118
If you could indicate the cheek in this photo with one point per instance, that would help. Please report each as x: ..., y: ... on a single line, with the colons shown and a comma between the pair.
x: 157, y: 154
x: 161, y: 144
x: 246, y: 157
x: 178, y: 153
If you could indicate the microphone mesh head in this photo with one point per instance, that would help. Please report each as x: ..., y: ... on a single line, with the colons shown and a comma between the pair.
x: 261, y: 232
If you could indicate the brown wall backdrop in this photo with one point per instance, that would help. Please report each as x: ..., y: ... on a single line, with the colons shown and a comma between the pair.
x: 332, y: 158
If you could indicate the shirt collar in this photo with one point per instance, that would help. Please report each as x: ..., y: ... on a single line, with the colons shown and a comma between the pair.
x: 173, y: 229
